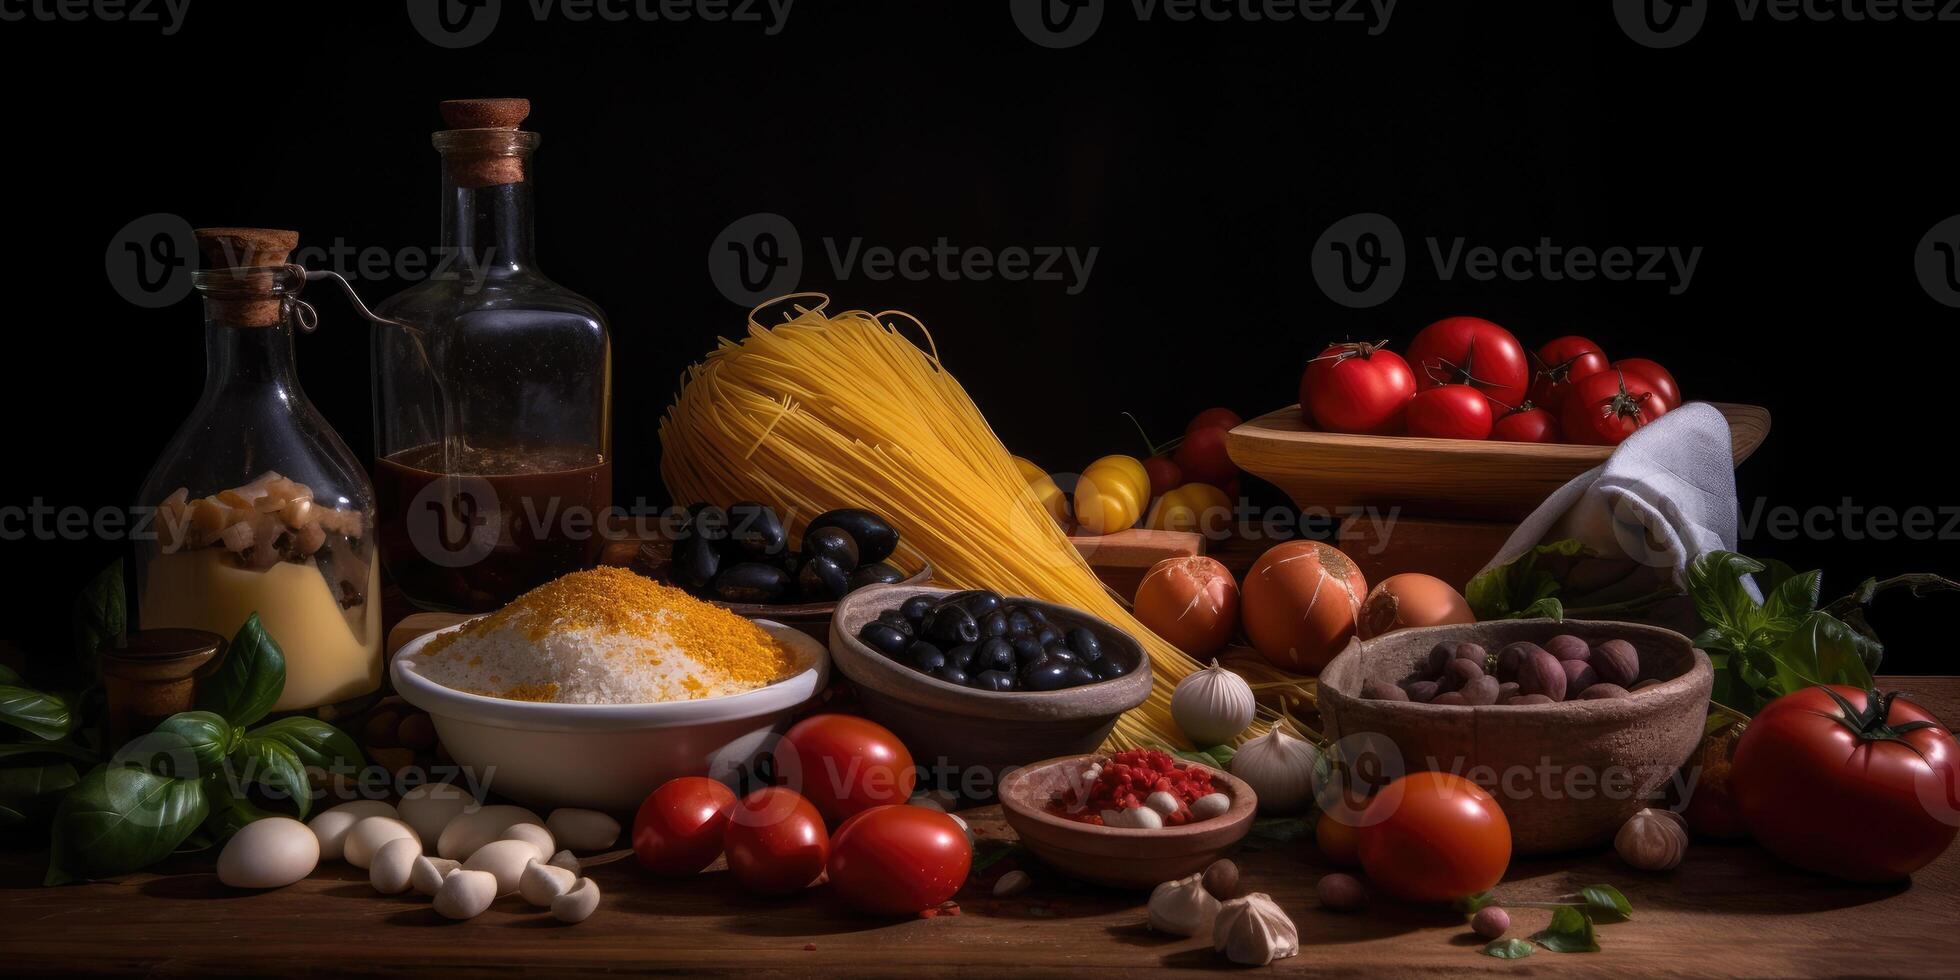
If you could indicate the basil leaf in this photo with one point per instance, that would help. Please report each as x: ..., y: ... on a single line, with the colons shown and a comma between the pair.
x: 118, y: 820
x: 269, y: 764
x: 1519, y: 590
x: 1571, y: 931
x: 37, y: 713
x: 101, y: 615
x: 1606, y: 903
x: 1509, y: 949
x: 1821, y: 651
x: 1715, y: 583
x: 10, y: 750
x: 28, y: 793
x: 1476, y: 903
x: 1547, y: 608
x: 315, y: 742
x: 186, y: 745
x: 249, y: 680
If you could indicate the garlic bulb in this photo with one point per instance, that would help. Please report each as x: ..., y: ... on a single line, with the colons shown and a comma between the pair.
x: 1652, y: 840
x: 1182, y: 907
x: 1280, y: 769
x: 1213, y: 706
x: 1253, y: 931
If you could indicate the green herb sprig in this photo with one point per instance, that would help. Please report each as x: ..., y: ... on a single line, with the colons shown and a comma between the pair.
x: 1573, y: 921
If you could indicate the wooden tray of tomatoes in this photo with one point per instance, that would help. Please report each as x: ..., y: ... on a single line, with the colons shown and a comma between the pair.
x: 1469, y: 425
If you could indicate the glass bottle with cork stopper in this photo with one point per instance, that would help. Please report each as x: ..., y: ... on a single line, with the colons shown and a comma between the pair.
x: 492, y: 389
x: 259, y: 507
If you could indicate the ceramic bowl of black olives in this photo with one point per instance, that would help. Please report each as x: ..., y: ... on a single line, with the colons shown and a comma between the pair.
x: 741, y: 557
x: 974, y: 678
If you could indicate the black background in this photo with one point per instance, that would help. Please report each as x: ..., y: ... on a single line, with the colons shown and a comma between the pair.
x: 1203, y: 160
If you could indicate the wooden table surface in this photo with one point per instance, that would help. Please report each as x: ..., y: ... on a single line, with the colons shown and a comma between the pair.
x: 1729, y: 910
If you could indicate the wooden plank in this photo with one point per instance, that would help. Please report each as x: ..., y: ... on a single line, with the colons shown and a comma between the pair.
x: 1729, y: 910
x: 1122, y: 559
x: 1453, y: 551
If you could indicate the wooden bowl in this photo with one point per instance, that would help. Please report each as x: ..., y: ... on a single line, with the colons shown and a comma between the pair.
x: 1455, y: 478
x: 656, y: 558
x: 1567, y: 774
x: 1122, y: 857
x: 959, y: 727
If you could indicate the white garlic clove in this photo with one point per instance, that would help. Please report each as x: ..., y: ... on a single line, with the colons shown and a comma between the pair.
x: 541, y: 883
x: 332, y: 826
x: 566, y: 860
x: 582, y: 830
x: 578, y: 904
x: 1212, y: 705
x: 1182, y: 907
x: 364, y: 841
x: 431, y: 806
x: 1210, y: 805
x: 427, y: 874
x: 1652, y: 840
x: 1252, y: 930
x: 1116, y: 818
x: 534, y: 835
x: 1280, y: 769
x: 393, y: 864
x: 465, y: 894
x: 505, y: 860
x: 1144, y: 818
x: 1012, y: 883
x: 472, y: 829
x: 1164, y: 803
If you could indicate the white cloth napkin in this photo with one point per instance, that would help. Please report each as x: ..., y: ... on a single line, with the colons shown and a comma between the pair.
x: 1666, y: 495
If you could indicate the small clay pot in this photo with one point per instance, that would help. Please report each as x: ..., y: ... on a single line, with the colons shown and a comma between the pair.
x: 152, y: 675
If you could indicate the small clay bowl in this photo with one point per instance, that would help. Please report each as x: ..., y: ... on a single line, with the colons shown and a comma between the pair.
x: 1121, y: 857
x: 656, y: 557
x: 1604, y: 760
x: 961, y: 728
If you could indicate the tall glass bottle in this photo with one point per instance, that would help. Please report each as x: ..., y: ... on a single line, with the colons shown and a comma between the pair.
x: 492, y: 391
x: 259, y: 506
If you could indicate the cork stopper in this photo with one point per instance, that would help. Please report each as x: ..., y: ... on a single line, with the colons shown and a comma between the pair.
x: 483, y: 146
x: 239, y: 290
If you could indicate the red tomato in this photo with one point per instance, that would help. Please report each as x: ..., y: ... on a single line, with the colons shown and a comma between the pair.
x: 1561, y: 364
x: 1449, y: 412
x: 1847, y: 782
x: 1357, y: 388
x: 1468, y: 350
x: 679, y: 828
x: 776, y: 842
x: 1433, y: 837
x: 1528, y: 424
x: 845, y: 764
x: 897, y: 860
x: 1165, y: 475
x: 1657, y: 377
x: 1202, y: 457
x: 1213, y: 418
x: 1604, y: 409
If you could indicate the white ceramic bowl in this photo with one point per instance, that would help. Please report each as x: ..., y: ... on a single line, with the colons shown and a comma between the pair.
x: 607, y: 756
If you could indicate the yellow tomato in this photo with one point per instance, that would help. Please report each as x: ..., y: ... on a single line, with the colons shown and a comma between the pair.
x: 1198, y: 507
x: 1044, y: 489
x: 1111, y: 494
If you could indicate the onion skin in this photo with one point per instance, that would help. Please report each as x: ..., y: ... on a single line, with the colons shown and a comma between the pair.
x: 1191, y: 602
x: 1300, y: 604
x: 1409, y: 600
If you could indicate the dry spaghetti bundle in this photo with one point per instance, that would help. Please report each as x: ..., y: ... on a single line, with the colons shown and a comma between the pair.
x: 821, y: 412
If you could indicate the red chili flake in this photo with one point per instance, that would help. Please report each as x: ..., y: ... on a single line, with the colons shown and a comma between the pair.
x: 1130, y: 776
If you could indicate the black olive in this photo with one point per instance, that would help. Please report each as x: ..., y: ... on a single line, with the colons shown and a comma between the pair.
x: 924, y: 657
x: 876, y: 540
x: 754, y: 530
x: 1061, y: 652
x: 962, y: 656
x: 789, y: 563
x: 1085, y: 644
x: 950, y: 626
x: 696, y: 561
x: 1109, y: 668
x: 979, y: 602
x: 1079, y: 675
x: 1034, y: 613
x: 1046, y: 675
x: 820, y: 580
x: 994, y: 680
x: 707, y: 521
x: 1027, y: 651
x: 884, y: 639
x: 994, y: 654
x: 951, y: 674
x: 751, y: 582
x: 915, y: 608
x: 896, y: 620
x: 994, y: 624
x: 1048, y: 636
x: 834, y: 544
x: 878, y: 574
x: 1019, y: 623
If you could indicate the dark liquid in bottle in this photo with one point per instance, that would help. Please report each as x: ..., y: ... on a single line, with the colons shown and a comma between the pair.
x: 474, y: 531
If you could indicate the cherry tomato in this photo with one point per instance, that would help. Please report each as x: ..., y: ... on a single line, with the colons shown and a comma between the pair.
x: 1527, y: 424
x: 1203, y: 457
x: 1433, y: 837
x: 776, y: 842
x: 1560, y: 365
x: 897, y: 860
x: 1604, y: 409
x: 1449, y: 412
x: 1657, y: 377
x: 1472, y: 351
x: 1213, y: 418
x: 1357, y: 388
x: 679, y: 828
x: 1164, y: 474
x: 1851, y: 783
x: 1196, y: 507
x: 844, y: 765
x: 1337, y: 833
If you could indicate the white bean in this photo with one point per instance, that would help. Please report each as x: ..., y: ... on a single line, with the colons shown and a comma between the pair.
x: 582, y: 830
x: 578, y: 904
x: 504, y: 859
x: 566, y: 860
x: 429, y: 807
x: 465, y: 894
x: 365, y: 840
x: 393, y: 864
x: 331, y: 826
x: 427, y: 874
x: 533, y: 835
x: 541, y: 883
x: 475, y: 828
